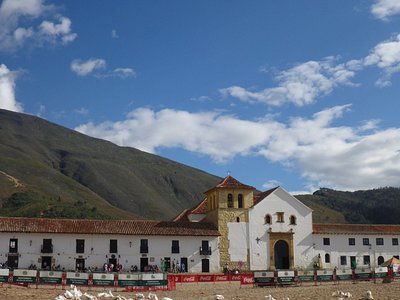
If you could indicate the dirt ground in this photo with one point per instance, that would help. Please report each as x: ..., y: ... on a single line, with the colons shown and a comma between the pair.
x: 207, y: 291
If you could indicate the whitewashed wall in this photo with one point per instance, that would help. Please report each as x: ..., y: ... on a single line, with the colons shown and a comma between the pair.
x: 97, y: 248
x: 339, y: 246
x: 280, y: 201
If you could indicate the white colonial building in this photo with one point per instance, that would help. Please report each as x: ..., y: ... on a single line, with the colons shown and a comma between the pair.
x: 230, y: 228
x: 82, y: 244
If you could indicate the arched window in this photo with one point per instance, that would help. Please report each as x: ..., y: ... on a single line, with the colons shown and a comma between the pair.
x: 240, y: 201
x: 230, y: 201
x: 292, y: 220
x: 237, y: 219
x: 327, y: 258
x: 267, y: 219
x: 380, y: 260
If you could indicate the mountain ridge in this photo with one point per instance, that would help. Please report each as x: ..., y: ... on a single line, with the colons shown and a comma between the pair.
x: 66, y: 167
x: 47, y: 170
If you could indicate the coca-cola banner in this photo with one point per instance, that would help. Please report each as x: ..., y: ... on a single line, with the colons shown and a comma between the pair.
x: 246, y: 279
x: 221, y: 277
x: 234, y: 277
x: 189, y: 278
x: 205, y: 278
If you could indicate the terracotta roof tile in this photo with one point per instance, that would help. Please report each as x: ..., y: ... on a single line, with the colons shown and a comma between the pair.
x: 200, y: 208
x: 355, y: 229
x: 231, y: 183
x: 124, y: 227
x: 257, y: 198
x: 182, y: 216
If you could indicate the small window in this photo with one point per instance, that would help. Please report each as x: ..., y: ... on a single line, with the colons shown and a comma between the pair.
x: 326, y: 241
x: 80, y: 246
x: 366, y: 260
x: 13, y: 246
x: 240, y: 201
x: 292, y: 220
x: 267, y: 219
x: 237, y: 219
x: 230, y: 201
x: 280, y: 218
x: 175, y: 246
x: 380, y: 260
x: 343, y: 260
x: 395, y: 241
x: 144, y: 246
x: 379, y: 241
x: 352, y: 241
x: 113, y: 246
x: 47, y: 246
x: 366, y: 241
x: 327, y: 258
x: 205, y: 248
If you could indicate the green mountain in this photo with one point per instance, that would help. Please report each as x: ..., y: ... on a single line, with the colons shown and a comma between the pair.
x: 377, y: 206
x: 51, y: 171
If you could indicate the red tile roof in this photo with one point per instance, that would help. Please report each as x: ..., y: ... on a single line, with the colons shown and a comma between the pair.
x: 257, y: 198
x: 182, y: 216
x: 124, y: 227
x: 200, y: 208
x: 355, y: 229
x: 231, y: 183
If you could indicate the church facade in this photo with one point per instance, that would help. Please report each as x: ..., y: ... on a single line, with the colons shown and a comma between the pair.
x: 274, y: 230
x: 231, y: 228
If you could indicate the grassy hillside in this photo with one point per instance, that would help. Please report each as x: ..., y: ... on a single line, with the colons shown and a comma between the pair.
x: 377, y: 206
x: 51, y: 171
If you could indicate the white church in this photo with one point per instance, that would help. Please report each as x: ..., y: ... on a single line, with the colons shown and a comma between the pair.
x: 231, y: 228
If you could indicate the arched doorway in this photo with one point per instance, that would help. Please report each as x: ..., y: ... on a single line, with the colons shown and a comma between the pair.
x: 281, y: 251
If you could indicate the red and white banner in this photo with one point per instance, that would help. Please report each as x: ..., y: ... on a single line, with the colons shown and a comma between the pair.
x: 189, y: 278
x: 246, y: 279
x: 205, y: 278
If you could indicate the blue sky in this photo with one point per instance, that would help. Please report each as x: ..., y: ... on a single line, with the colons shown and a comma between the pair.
x: 302, y: 94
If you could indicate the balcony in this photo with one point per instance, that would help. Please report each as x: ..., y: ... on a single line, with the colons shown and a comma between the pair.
x: 205, y: 251
x: 46, y: 249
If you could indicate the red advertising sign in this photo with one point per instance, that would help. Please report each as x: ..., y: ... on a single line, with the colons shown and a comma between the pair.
x: 189, y: 278
x: 247, y: 279
x: 205, y: 278
x: 221, y: 278
x: 234, y: 277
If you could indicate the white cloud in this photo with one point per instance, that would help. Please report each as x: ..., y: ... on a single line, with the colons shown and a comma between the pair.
x: 83, y: 68
x: 148, y: 130
x: 81, y: 111
x: 7, y: 90
x: 42, y: 110
x: 340, y: 157
x: 386, y: 56
x: 123, y: 72
x: 382, y: 9
x: 114, y: 34
x: 300, y: 85
x: 14, y: 13
x: 53, y: 32
x: 97, y: 67
x: 271, y: 184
